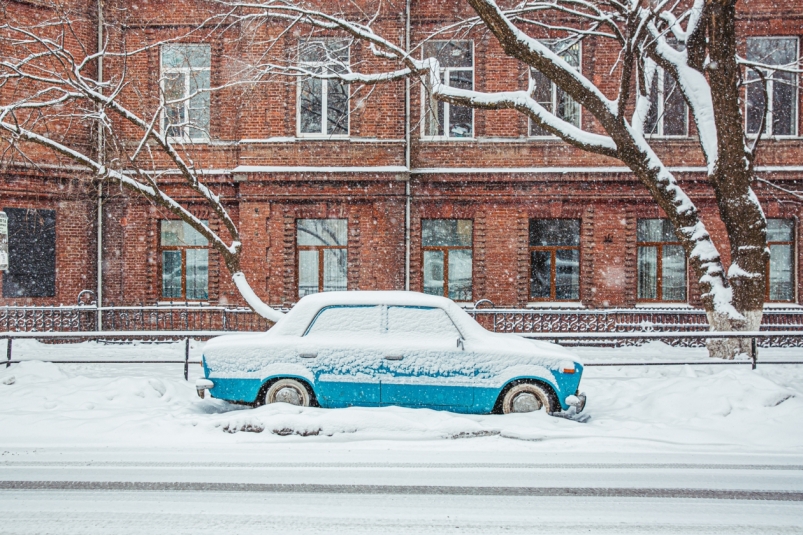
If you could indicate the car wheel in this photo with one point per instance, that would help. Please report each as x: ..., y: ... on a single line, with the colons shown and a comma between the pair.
x: 288, y: 391
x: 526, y: 397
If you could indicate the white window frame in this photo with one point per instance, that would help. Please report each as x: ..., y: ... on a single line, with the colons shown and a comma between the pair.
x: 425, y: 99
x: 324, y: 99
x: 186, y: 73
x: 661, y: 74
x: 555, y: 97
x: 771, y: 102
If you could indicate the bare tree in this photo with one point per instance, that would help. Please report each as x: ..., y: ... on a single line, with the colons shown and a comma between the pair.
x: 52, y: 100
x: 694, y: 42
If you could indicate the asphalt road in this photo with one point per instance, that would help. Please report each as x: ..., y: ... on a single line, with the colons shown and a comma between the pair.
x: 387, y: 492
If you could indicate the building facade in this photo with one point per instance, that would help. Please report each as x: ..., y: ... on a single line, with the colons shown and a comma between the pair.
x: 340, y: 187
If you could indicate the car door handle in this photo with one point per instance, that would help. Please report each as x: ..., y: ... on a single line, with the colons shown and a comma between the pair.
x: 393, y: 357
x: 308, y: 355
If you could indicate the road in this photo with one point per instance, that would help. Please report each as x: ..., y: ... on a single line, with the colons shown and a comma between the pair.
x: 391, y: 488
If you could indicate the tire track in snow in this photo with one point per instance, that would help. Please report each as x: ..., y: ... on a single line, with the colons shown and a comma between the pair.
x: 709, y: 494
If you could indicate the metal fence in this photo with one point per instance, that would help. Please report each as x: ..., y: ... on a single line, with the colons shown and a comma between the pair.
x: 630, y: 320
x: 84, y: 318
x: 186, y: 317
x: 755, y: 337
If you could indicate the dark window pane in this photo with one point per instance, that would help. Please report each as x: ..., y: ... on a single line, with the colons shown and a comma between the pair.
x: 567, y: 274
x: 460, y: 274
x: 171, y: 274
x: 31, y: 253
x: 433, y: 272
x: 673, y: 273
x: 755, y: 104
x: 780, y: 229
x: 784, y: 105
x: 460, y: 118
x: 540, y: 274
x: 337, y: 108
x: 651, y: 123
x: 545, y: 232
x: 311, y: 106
x: 450, y: 53
x: 197, y: 274
x: 543, y: 95
x: 446, y: 232
x: 335, y: 270
x: 675, y: 114
x: 307, y: 272
x: 322, y: 231
x: 782, y: 273
x: 655, y: 230
x: 648, y: 273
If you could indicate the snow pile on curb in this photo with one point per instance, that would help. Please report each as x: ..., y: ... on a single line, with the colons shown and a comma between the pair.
x: 701, y: 408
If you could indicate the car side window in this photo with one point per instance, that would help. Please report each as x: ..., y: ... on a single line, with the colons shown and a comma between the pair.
x: 420, y: 321
x: 347, y: 319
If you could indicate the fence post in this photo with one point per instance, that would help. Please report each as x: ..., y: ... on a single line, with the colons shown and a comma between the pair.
x: 8, y: 353
x: 187, y: 359
x: 754, y: 351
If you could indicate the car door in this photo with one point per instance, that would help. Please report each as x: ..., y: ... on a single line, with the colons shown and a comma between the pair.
x: 343, y: 349
x: 424, y: 365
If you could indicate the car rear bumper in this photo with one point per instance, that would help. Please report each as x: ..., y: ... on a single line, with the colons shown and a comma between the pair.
x: 203, y: 384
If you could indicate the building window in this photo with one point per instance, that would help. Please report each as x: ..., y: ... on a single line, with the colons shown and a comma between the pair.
x: 447, y: 257
x: 781, y: 266
x: 323, y: 108
x: 661, y: 262
x: 781, y: 86
x: 550, y: 96
x: 31, y: 253
x: 185, y: 262
x: 668, y: 115
x: 322, y: 255
x: 186, y: 71
x: 456, y: 59
x: 555, y: 259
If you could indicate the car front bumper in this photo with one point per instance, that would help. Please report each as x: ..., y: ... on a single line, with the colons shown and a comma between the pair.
x: 578, y: 401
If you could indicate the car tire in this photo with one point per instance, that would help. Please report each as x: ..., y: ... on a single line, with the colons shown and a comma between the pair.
x: 288, y: 391
x: 527, y: 397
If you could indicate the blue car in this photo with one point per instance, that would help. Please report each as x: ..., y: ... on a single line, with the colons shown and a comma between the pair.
x: 372, y: 349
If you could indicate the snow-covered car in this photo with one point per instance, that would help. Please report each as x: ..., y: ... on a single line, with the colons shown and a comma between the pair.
x: 342, y: 349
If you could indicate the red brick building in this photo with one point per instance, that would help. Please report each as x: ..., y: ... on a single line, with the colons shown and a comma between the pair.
x: 335, y: 187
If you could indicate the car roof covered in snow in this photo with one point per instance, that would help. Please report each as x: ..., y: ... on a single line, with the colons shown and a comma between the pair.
x: 297, y: 320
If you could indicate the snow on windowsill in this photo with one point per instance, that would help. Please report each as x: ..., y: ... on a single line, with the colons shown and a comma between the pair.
x: 781, y: 305
x: 555, y: 304
x: 663, y: 305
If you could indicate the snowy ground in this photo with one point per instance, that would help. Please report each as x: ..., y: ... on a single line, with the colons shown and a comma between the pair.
x: 668, y: 429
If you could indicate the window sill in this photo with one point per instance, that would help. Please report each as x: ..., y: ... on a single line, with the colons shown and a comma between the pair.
x: 183, y: 303
x: 555, y: 304
x: 663, y: 305
x: 770, y: 306
x: 321, y: 137
x: 438, y: 139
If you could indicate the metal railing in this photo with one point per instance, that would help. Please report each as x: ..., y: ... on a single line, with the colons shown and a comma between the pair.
x: 84, y: 318
x: 630, y: 320
x: 755, y: 337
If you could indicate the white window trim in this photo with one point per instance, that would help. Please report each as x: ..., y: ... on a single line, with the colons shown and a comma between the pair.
x: 554, y: 100
x: 446, y: 106
x: 660, y: 73
x: 770, y: 83
x: 795, y: 267
x: 324, y: 103
x: 185, y: 72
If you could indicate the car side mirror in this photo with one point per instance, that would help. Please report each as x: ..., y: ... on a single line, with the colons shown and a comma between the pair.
x: 460, y: 343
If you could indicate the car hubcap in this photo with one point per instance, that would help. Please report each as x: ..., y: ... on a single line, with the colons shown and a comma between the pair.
x: 288, y: 395
x: 526, y: 402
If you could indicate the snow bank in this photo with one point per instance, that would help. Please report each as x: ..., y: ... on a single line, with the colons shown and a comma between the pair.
x: 701, y: 408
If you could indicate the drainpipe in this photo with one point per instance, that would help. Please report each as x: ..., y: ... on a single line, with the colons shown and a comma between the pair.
x: 407, y: 138
x: 101, y: 159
